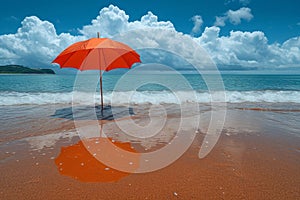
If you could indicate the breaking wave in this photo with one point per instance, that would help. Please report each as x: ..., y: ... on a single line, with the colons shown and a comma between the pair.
x: 147, y: 97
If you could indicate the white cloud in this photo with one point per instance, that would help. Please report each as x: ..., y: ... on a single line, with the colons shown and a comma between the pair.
x: 198, y: 21
x: 166, y: 46
x: 112, y: 20
x: 234, y: 17
x: 36, y: 42
x: 249, y: 49
x: 220, y: 21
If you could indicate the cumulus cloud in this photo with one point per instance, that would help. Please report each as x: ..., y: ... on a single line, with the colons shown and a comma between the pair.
x: 36, y: 43
x: 198, y: 21
x: 112, y: 20
x: 168, y: 47
x: 249, y: 49
x: 234, y: 17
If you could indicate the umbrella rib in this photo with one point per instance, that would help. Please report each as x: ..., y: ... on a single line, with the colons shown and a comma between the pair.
x: 99, y: 59
x: 115, y: 51
x: 71, y: 54
x: 67, y: 59
x: 126, y: 61
x: 103, y: 60
x: 85, y: 60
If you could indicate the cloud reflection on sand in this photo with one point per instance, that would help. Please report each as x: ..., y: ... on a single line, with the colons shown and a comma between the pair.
x: 50, y: 140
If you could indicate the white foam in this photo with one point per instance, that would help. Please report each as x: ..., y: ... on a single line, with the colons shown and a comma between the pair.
x: 144, y: 97
x: 19, y: 98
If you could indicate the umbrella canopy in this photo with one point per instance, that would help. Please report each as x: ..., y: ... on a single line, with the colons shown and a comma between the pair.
x: 97, y: 54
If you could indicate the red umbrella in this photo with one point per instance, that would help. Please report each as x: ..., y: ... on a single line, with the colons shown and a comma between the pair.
x: 97, y: 54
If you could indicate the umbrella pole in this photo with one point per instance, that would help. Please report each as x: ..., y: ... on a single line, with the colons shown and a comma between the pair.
x: 101, y: 92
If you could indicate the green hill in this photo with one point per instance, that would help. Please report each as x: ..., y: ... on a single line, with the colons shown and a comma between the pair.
x: 18, y: 69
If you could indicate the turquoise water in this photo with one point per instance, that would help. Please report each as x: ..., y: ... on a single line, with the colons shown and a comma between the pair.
x: 42, y: 89
x: 232, y: 82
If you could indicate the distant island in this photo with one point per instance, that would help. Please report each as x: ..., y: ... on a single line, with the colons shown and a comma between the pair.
x: 18, y: 69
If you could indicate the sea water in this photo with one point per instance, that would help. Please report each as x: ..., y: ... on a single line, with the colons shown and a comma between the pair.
x: 58, y: 89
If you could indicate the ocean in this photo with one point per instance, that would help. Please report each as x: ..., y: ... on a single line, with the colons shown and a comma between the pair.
x: 58, y: 89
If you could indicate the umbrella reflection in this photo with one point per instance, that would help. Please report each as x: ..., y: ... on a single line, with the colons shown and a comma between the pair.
x: 77, y: 162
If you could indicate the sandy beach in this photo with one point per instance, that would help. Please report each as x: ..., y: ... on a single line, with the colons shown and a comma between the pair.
x: 256, y: 157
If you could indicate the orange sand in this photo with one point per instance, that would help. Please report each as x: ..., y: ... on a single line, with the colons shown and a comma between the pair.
x: 240, y: 167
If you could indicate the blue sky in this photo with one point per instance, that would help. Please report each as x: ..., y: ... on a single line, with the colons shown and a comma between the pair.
x: 278, y: 19
x: 239, y: 33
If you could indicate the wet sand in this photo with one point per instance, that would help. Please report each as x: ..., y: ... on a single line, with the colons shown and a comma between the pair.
x: 256, y: 157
